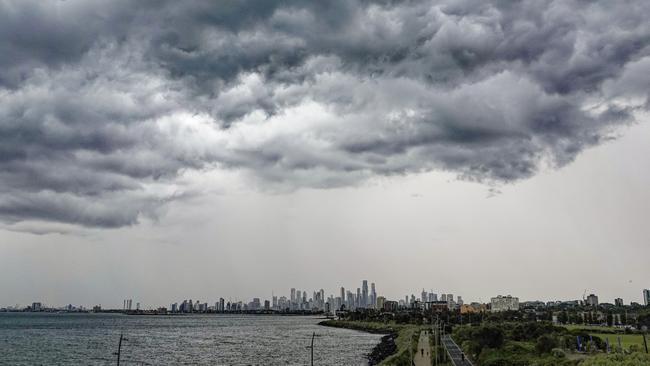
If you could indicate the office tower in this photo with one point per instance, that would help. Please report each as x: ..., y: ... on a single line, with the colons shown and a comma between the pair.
x: 342, y: 296
x: 618, y: 301
x: 450, y: 297
x: 373, y: 295
x: 293, y: 295
x: 322, y: 298
x: 364, y: 294
x: 592, y: 300
x: 460, y: 300
x: 646, y: 297
x: 424, y: 297
x: 443, y: 297
x: 406, y: 300
x: 222, y: 306
x: 304, y: 297
x: 357, y: 303
x: 137, y: 306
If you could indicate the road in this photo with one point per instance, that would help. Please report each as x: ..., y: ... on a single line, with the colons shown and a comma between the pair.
x: 454, y: 352
x: 423, y: 355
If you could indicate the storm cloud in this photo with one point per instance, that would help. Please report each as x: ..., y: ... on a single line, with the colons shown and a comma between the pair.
x: 105, y: 105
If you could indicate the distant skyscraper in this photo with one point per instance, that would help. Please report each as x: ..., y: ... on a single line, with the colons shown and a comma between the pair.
x: 358, y: 298
x: 592, y: 300
x: 373, y: 296
x: 293, y: 295
x: 618, y: 301
x: 342, y: 295
x: 364, y: 294
x: 646, y: 297
x: 425, y: 296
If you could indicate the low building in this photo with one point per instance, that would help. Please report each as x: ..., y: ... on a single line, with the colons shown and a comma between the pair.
x: 390, y: 306
x: 504, y: 303
x: 473, y: 308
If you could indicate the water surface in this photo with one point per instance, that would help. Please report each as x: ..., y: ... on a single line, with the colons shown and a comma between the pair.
x: 91, y: 339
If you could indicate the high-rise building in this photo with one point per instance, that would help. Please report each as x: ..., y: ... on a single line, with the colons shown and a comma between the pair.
x: 293, y: 295
x: 380, y: 302
x: 618, y: 301
x: 364, y: 294
x: 646, y: 297
x: 373, y: 296
x: 592, y: 300
x: 425, y: 296
x: 359, y: 299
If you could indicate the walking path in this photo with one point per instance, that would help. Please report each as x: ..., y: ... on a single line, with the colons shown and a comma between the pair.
x: 423, y: 355
x: 455, y: 353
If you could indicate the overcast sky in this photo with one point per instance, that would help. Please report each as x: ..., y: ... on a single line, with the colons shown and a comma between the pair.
x: 163, y: 150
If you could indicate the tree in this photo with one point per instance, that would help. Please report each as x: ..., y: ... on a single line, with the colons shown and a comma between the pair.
x: 545, y: 343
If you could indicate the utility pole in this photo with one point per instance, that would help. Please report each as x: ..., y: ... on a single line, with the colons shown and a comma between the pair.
x: 119, y: 349
x: 312, y: 348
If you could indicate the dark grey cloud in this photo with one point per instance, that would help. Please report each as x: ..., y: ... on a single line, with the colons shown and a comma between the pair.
x: 105, y: 106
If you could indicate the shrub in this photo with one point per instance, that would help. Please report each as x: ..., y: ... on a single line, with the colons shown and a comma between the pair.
x: 545, y: 343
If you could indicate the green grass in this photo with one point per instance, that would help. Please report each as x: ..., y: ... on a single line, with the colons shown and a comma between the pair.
x: 626, y: 339
x: 597, y: 328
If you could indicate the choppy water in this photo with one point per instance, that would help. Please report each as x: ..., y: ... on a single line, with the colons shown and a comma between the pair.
x: 91, y: 339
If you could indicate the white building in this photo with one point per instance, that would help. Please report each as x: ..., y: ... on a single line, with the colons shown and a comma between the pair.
x: 504, y: 303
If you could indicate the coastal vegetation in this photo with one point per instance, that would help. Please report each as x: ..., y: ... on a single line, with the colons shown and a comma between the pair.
x: 403, y: 337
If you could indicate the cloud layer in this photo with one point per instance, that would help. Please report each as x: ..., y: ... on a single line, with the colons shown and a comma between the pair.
x: 105, y: 104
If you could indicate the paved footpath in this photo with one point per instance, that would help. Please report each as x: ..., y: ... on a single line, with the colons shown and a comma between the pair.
x: 423, y: 355
x: 455, y: 352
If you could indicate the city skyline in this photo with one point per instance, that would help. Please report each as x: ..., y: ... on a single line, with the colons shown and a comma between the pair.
x: 322, y: 297
x: 153, y: 150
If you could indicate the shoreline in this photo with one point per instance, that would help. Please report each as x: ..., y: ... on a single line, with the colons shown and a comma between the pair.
x: 384, y: 349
